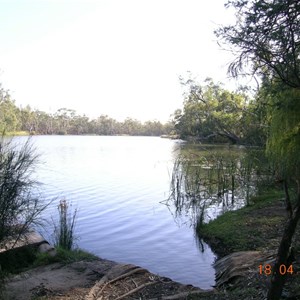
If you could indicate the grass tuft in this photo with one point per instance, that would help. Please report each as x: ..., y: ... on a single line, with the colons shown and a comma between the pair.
x: 64, y: 256
x: 64, y: 231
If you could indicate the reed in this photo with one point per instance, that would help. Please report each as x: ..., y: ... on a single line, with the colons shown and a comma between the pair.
x: 64, y: 230
x: 206, y: 177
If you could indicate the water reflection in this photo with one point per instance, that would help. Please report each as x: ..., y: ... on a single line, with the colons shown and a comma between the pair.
x: 208, y: 180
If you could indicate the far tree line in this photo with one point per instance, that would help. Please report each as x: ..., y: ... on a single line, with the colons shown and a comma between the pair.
x: 67, y: 121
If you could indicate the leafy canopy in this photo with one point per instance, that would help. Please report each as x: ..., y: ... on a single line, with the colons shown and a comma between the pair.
x: 265, y: 39
x: 210, y: 111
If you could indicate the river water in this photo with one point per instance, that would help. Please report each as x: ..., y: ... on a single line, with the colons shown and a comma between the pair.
x: 118, y: 183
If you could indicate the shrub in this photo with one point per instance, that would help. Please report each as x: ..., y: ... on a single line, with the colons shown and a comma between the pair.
x: 20, y: 205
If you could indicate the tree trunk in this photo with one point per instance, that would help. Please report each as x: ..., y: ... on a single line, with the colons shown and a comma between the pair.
x: 284, y: 253
x: 234, y: 139
x: 288, y: 204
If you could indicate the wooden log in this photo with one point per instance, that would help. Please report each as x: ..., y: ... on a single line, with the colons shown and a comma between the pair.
x: 239, y: 264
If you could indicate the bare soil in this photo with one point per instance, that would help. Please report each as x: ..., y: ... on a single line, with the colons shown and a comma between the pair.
x: 93, y: 280
x: 56, y: 279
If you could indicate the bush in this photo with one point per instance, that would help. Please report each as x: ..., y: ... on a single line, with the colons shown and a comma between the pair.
x: 20, y: 205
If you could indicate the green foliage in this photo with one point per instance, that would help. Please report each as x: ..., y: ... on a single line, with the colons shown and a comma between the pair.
x: 19, y: 209
x: 16, y: 260
x: 253, y: 223
x: 9, y: 114
x: 63, y: 256
x: 255, y: 124
x: 214, y: 114
x: 265, y: 39
x: 283, y: 145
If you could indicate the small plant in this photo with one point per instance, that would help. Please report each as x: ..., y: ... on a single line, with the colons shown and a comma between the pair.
x: 64, y: 231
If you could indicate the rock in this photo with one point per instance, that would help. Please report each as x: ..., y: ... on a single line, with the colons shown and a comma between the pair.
x: 19, y: 251
x: 30, y: 237
x: 46, y: 248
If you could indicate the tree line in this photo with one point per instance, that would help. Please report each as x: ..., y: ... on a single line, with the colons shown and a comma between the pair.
x: 67, y: 121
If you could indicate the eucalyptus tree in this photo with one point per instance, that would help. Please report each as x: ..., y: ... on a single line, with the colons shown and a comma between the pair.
x: 266, y: 41
x: 106, y: 125
x: 63, y: 117
x: 131, y: 127
x: 211, y: 112
x: 153, y: 128
x: 80, y: 125
x: 9, y: 113
x: 27, y: 119
x: 43, y: 122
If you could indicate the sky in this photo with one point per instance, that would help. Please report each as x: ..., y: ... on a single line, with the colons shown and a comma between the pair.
x: 122, y: 58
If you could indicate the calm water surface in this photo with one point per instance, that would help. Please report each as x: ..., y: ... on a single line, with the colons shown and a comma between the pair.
x: 117, y: 183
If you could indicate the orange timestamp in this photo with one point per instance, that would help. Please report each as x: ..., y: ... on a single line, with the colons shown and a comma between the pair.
x: 283, y: 269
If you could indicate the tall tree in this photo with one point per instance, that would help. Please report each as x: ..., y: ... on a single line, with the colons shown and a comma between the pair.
x: 63, y: 117
x: 27, y: 119
x: 266, y: 40
x: 211, y: 112
x: 9, y: 113
x: 105, y: 125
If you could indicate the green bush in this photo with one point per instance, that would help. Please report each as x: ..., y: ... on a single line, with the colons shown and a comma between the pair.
x: 19, y: 207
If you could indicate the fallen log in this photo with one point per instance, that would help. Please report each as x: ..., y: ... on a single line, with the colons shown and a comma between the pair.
x: 240, y: 264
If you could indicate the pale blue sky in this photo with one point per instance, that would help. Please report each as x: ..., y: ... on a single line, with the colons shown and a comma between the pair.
x: 115, y: 57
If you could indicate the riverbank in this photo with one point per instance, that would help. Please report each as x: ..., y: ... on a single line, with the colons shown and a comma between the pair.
x: 78, y: 275
x: 257, y: 228
x: 18, y: 133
